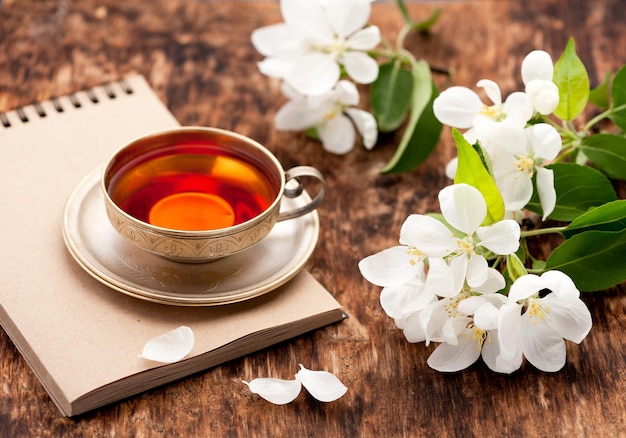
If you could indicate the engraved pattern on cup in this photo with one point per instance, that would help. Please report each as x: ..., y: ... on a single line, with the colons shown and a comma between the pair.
x: 194, y: 249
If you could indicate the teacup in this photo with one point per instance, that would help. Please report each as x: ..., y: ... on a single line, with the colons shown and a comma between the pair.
x: 196, y: 194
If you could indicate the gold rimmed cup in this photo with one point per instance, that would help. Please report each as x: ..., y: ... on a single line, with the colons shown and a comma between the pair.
x: 196, y: 194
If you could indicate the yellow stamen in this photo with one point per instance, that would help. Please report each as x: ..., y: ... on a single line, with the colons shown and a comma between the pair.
x: 337, y: 47
x: 494, y: 112
x: 477, y: 335
x: 466, y: 245
x: 537, y: 312
x: 412, y: 251
x: 525, y: 164
x: 452, y: 304
x: 331, y: 114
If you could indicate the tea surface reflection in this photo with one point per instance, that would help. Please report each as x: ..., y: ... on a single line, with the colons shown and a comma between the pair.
x: 192, y: 188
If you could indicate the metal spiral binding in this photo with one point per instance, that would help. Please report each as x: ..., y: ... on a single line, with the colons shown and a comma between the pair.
x: 109, y: 88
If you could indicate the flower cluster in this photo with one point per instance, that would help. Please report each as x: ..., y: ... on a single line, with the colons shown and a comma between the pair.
x: 517, y: 150
x: 308, y: 51
x: 438, y: 286
x: 466, y: 277
x: 324, y: 53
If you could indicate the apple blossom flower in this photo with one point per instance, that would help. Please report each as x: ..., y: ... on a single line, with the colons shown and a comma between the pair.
x: 540, y: 313
x: 461, y: 107
x: 537, y: 74
x: 400, y: 270
x: 467, y: 325
x: 516, y: 155
x: 316, y: 40
x: 457, y: 255
x: 410, y: 297
x: 332, y: 115
x: 394, y: 266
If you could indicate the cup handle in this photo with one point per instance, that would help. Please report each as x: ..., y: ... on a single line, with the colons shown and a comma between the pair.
x: 294, y: 174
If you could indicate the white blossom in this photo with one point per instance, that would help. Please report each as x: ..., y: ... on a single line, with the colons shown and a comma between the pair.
x: 516, y: 155
x: 457, y: 256
x: 537, y: 74
x: 462, y: 108
x: 467, y: 325
x: 316, y: 39
x: 540, y: 313
x: 333, y: 115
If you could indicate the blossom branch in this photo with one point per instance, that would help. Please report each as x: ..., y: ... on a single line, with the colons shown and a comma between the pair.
x: 541, y: 231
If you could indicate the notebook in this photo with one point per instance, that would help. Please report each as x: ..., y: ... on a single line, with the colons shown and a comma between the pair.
x: 82, y: 338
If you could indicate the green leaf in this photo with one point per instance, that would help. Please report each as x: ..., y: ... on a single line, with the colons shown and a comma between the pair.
x: 425, y: 25
x: 484, y: 157
x: 578, y: 188
x: 391, y: 96
x: 571, y: 78
x: 595, y: 260
x: 422, y: 132
x: 472, y: 171
x: 618, y: 93
x: 608, y: 217
x: 608, y: 153
x: 599, y: 96
x: 539, y: 265
x: 405, y: 13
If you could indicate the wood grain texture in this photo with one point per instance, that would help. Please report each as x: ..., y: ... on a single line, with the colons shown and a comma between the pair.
x: 198, y: 57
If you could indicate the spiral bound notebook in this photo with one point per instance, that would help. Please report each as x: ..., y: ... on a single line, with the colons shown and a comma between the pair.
x: 81, y: 338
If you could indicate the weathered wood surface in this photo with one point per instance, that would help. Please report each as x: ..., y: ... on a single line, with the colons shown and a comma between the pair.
x: 198, y: 57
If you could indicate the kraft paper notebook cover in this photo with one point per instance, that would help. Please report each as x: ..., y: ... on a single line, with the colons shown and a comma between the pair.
x: 80, y: 337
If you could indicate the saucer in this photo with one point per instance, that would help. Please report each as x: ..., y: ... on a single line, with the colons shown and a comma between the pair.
x: 106, y: 256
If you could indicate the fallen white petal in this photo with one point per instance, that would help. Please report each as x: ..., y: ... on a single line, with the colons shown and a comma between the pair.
x: 322, y: 385
x: 169, y: 347
x: 277, y: 391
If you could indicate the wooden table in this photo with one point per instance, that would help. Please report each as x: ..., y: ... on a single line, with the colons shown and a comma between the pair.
x: 198, y: 57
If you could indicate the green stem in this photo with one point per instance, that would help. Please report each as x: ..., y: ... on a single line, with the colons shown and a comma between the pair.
x: 534, y: 271
x: 402, y: 36
x: 497, y: 262
x: 388, y: 53
x: 403, y: 10
x: 405, y: 57
x: 540, y: 231
x: 603, y: 115
x: 596, y: 119
x: 564, y: 154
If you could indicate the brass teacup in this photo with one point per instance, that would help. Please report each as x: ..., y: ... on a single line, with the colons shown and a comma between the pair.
x: 196, y: 194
